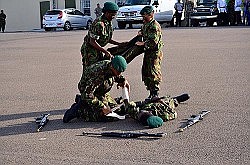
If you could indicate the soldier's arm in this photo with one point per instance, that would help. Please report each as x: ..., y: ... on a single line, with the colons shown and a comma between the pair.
x: 95, y: 33
x: 98, y: 47
x: 114, y: 42
x: 122, y: 82
x: 153, y: 38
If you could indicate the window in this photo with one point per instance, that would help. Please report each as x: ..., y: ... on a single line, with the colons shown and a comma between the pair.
x: 70, y: 4
x: 70, y: 12
x: 137, y: 2
x: 78, y: 13
x: 55, y: 4
x: 85, y: 7
x: 53, y: 12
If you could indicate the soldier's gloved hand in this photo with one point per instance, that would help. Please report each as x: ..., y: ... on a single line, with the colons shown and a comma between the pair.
x: 106, y: 110
x: 138, y: 43
x: 124, y: 84
x: 109, y: 55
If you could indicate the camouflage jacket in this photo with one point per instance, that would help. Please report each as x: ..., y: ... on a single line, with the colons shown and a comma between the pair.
x: 101, y: 30
x: 165, y: 109
x: 152, y: 35
x: 97, y: 80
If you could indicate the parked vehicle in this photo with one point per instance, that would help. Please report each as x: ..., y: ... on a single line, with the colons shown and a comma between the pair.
x: 66, y: 19
x: 129, y: 13
x: 205, y: 11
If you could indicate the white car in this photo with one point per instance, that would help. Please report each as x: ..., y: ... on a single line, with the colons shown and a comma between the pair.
x: 66, y: 19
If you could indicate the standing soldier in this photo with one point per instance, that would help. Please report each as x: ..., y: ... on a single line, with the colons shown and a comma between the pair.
x: 152, y: 43
x: 2, y: 21
x: 222, y: 7
x: 148, y: 41
x: 178, y: 12
x: 98, y: 10
x: 98, y: 36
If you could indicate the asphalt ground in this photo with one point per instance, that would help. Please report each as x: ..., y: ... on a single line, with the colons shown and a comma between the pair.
x: 40, y: 71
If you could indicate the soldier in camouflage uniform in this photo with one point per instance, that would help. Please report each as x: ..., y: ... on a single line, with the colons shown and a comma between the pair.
x: 151, y: 46
x: 152, y: 42
x: 98, y: 36
x: 96, y: 82
x: 156, y: 111
x: 98, y: 10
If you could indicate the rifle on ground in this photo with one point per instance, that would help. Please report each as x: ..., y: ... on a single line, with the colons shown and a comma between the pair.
x: 42, y: 121
x: 194, y: 119
x: 125, y: 134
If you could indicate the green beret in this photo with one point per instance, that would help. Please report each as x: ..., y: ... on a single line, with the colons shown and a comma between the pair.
x: 110, y: 6
x: 146, y: 10
x: 119, y: 63
x: 154, y: 121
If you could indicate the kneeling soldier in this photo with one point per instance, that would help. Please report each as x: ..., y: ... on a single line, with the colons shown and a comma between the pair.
x: 97, y: 80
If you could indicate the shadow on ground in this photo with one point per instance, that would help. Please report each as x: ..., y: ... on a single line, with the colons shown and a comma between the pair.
x: 56, y: 124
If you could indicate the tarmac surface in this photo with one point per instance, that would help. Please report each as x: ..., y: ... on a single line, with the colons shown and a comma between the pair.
x: 40, y: 71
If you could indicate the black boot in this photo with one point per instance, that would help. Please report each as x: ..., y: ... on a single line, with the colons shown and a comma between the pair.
x: 72, y: 113
x: 153, y: 94
x: 182, y: 98
x: 78, y: 98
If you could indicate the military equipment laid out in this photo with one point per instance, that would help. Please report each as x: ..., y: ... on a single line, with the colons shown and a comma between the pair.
x: 125, y: 134
x: 42, y: 121
x: 194, y: 119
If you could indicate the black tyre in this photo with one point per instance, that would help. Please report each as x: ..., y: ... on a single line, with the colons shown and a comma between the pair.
x: 47, y: 29
x: 194, y: 23
x: 67, y: 26
x: 172, y: 22
x: 210, y: 23
x: 121, y: 25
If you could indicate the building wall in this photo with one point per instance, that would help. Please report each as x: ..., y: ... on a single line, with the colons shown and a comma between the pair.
x: 21, y: 14
x: 24, y: 15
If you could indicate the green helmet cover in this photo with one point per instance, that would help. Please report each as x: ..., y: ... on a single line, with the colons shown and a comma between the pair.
x: 119, y: 63
x: 146, y: 10
x: 154, y: 121
x: 110, y: 6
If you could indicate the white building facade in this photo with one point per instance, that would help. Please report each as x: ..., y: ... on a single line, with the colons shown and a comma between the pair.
x: 26, y: 15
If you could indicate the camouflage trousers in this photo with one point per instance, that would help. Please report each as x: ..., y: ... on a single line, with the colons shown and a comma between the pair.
x: 165, y: 109
x: 91, y: 110
x: 151, y: 68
